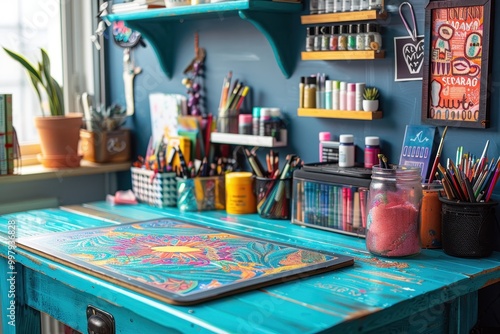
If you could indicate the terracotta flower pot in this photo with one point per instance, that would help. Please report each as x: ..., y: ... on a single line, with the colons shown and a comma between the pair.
x: 59, y: 136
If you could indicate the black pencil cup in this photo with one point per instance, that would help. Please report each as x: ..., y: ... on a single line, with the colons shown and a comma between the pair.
x: 468, y: 228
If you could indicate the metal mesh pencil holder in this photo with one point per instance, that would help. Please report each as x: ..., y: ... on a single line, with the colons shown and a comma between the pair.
x: 158, y: 190
x: 468, y: 228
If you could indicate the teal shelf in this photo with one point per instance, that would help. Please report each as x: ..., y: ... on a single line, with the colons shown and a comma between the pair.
x: 273, y: 19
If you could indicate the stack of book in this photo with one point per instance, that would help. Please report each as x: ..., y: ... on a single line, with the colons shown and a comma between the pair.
x: 6, y: 135
x: 137, y: 5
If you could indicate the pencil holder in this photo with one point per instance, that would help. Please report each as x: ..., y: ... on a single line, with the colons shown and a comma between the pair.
x: 156, y: 189
x: 468, y: 228
x: 274, y: 197
x: 201, y: 193
x: 228, y: 124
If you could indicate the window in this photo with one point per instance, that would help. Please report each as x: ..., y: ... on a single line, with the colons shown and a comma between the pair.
x: 63, y: 28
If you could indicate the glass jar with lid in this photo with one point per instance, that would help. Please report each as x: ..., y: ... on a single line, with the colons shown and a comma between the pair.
x: 394, y: 211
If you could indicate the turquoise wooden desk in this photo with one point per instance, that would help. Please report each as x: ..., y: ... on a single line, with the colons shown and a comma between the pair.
x: 429, y: 293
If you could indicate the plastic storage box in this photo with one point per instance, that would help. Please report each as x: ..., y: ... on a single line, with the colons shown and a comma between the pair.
x: 328, y: 197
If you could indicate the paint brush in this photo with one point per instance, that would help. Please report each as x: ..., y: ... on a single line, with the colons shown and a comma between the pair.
x: 438, y: 156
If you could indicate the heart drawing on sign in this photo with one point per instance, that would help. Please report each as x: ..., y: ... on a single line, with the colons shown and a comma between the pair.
x: 414, y: 56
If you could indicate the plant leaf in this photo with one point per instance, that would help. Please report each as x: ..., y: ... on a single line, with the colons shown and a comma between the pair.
x: 49, y: 83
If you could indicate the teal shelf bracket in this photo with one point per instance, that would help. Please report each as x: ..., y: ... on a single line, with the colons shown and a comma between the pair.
x: 276, y: 27
x: 161, y: 37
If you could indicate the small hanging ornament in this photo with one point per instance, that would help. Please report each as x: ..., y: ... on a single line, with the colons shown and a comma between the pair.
x: 194, y: 80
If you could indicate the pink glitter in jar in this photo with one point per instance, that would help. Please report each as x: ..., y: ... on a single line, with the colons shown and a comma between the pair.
x: 393, y: 212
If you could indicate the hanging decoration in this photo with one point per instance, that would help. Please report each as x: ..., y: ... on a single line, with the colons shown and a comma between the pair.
x: 194, y: 81
x: 409, y: 50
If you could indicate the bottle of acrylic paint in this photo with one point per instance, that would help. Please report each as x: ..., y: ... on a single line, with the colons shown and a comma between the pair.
x: 346, y: 151
x: 351, y: 96
x: 335, y: 95
x: 334, y: 38
x: 372, y: 150
x: 328, y: 94
x: 343, y: 95
x: 323, y: 136
x: 256, y: 121
x: 360, y: 88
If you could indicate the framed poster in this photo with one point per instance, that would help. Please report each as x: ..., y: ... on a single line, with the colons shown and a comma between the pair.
x: 456, y: 65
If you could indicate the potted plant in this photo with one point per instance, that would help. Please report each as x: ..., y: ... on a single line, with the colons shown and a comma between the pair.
x: 104, y: 139
x: 370, y: 99
x: 58, y: 132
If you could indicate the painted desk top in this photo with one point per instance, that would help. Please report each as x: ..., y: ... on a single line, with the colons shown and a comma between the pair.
x: 370, y: 294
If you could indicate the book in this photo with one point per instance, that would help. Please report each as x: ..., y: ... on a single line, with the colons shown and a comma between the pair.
x: 418, y: 148
x: 9, y: 134
x: 3, y: 129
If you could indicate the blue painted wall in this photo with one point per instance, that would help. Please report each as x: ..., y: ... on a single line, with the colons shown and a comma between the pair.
x: 233, y: 44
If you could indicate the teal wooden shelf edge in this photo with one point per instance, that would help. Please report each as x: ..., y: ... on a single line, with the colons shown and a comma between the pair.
x: 273, y: 19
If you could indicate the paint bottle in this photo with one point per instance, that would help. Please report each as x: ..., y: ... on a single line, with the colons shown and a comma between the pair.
x: 310, y: 39
x: 346, y: 151
x: 325, y: 38
x: 372, y: 150
x: 343, y: 95
x: 301, y: 92
x: 346, y: 5
x: 360, y: 89
x: 313, y: 7
x: 328, y: 94
x: 323, y: 136
x: 363, y: 4
x: 360, y: 37
x: 337, y: 6
x: 351, y: 96
x: 265, y: 122
x: 335, y: 95
x: 342, y: 38
x: 255, y: 121
x: 351, y: 37
x: 310, y: 92
x: 334, y: 38
x: 329, y: 6
x: 240, y: 198
x: 317, y: 39
x: 245, y: 124
x: 355, y: 5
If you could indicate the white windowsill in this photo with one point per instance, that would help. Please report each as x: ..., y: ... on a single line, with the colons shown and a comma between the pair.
x: 38, y: 172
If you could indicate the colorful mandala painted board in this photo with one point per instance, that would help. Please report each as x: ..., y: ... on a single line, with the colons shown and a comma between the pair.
x: 180, y: 262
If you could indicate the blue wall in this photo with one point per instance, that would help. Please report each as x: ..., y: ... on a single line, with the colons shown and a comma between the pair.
x: 233, y: 44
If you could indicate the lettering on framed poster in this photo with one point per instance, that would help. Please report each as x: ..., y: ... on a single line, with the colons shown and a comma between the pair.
x: 456, y: 66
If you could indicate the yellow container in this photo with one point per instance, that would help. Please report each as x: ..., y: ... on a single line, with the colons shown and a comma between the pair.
x: 240, y: 197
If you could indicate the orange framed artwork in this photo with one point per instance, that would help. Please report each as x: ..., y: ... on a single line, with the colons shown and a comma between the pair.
x: 456, y: 65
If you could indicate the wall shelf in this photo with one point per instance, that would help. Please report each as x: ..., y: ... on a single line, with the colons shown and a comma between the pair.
x: 343, y: 55
x: 364, y: 15
x: 342, y: 114
x: 273, y: 19
x: 249, y: 140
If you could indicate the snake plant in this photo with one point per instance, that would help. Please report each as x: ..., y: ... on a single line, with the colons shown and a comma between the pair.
x: 43, y: 82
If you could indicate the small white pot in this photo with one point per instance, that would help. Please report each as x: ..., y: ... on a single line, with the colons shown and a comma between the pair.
x: 370, y: 105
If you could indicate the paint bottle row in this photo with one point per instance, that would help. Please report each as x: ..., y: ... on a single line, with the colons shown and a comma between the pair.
x: 347, y: 37
x: 335, y: 6
x: 318, y: 92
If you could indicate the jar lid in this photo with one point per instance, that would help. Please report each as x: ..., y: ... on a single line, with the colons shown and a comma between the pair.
x: 323, y: 136
x: 346, y: 139
x: 372, y: 141
x: 239, y: 177
x: 256, y: 111
x: 353, y: 29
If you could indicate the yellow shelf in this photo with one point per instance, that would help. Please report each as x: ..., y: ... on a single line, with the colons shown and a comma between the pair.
x: 344, y: 114
x: 364, y: 15
x: 342, y: 55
